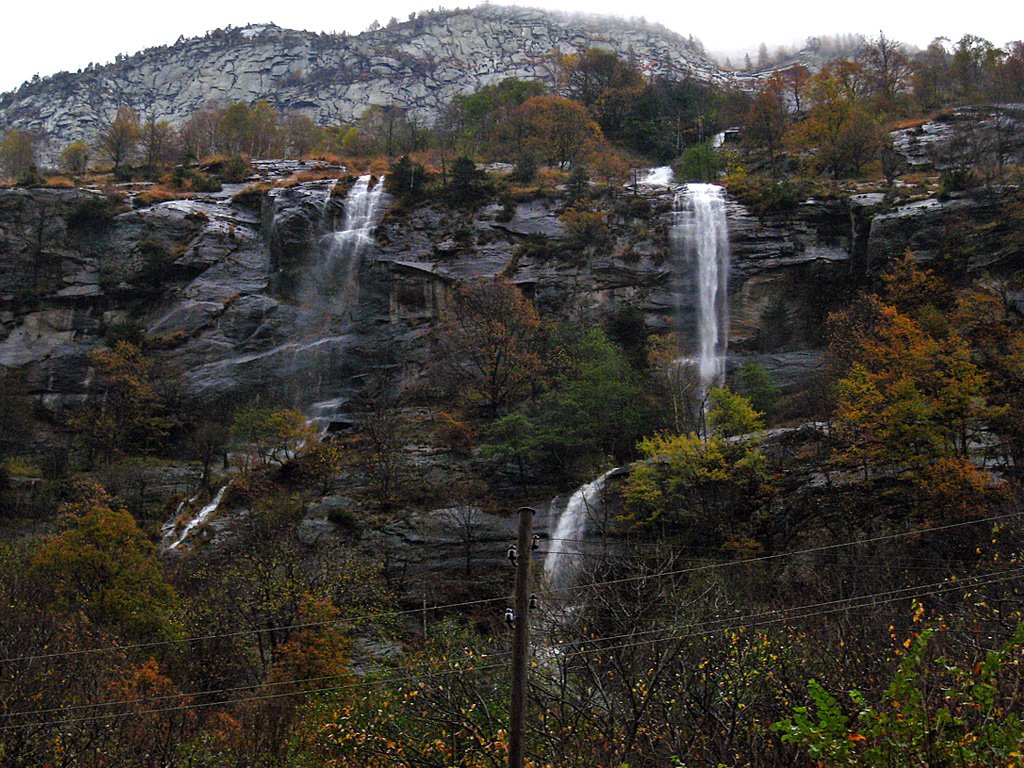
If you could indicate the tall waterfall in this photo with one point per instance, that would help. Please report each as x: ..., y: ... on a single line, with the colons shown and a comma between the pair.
x: 701, y: 235
x: 345, y: 247
x: 565, y: 550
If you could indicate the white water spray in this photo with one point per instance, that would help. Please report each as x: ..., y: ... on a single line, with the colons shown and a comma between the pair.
x: 657, y: 177
x: 200, y: 517
x: 564, y: 551
x: 345, y: 248
x: 701, y: 233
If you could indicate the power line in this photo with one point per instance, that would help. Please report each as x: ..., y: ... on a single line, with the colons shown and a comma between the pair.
x: 829, y: 607
x: 484, y: 601
x: 865, y: 602
x: 780, y: 614
x: 869, y: 563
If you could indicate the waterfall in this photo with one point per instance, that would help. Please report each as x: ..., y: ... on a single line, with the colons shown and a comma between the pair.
x: 572, y: 525
x: 701, y: 235
x: 200, y: 517
x: 657, y: 177
x: 343, y: 254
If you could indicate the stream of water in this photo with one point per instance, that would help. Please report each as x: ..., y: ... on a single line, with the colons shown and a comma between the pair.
x: 564, y: 548
x: 701, y: 239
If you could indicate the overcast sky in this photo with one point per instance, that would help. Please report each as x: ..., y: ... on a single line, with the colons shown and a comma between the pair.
x: 54, y: 35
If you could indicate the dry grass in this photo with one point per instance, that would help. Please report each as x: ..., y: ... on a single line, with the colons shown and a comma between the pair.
x: 160, y: 194
x: 325, y: 157
x: 302, y: 176
x: 912, y: 122
x: 60, y: 182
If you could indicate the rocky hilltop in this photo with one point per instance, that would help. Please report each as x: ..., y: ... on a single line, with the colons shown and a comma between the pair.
x: 419, y: 64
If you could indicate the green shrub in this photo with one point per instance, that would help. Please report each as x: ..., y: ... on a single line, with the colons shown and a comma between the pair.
x: 95, y: 212
x: 525, y: 170
x: 955, y: 180
x: 699, y: 162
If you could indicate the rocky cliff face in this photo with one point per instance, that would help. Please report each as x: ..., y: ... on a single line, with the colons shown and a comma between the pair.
x: 419, y: 64
x: 234, y: 295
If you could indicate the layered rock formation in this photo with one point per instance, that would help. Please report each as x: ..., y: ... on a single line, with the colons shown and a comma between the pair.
x: 419, y: 64
x: 230, y: 293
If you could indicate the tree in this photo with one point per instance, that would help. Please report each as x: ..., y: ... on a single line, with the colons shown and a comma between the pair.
x: 207, y: 439
x: 796, y: 79
x: 470, y: 123
x: 973, y: 58
x: 909, y: 396
x: 273, y: 435
x: 199, y: 134
x: 888, y: 71
x: 130, y: 415
x: 18, y: 154
x: 74, y: 158
x: 731, y: 414
x: 766, y: 121
x: 754, y: 382
x: 839, y: 131
x: 595, y: 406
x: 323, y: 460
x: 699, y: 162
x: 691, y: 484
x: 489, y: 343
x: 103, y: 565
x: 606, y: 85
x: 513, y: 438
x: 557, y: 129
x: 406, y: 179
x: 119, y: 139
x: 466, y: 516
x: 158, y: 143
x: 383, y: 432
x: 468, y: 184
x: 301, y: 134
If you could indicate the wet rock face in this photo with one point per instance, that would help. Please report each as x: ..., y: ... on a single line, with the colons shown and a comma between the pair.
x: 419, y: 65
x: 231, y: 297
x: 964, y: 138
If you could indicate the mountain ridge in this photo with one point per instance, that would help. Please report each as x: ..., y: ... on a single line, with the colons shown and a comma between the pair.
x: 418, y: 64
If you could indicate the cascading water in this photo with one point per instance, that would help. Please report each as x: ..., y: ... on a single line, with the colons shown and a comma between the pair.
x: 200, y: 517
x: 701, y: 237
x: 345, y: 248
x: 560, y: 562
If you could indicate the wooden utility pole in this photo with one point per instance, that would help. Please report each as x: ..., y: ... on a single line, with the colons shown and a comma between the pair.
x: 521, y: 640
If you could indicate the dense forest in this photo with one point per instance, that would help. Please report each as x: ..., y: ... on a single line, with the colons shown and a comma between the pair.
x: 819, y: 572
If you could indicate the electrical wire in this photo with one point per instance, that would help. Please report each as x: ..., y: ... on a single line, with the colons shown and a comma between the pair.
x: 722, y: 624
x: 483, y: 601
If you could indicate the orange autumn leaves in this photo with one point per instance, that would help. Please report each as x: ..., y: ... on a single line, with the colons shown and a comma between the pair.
x: 916, y: 398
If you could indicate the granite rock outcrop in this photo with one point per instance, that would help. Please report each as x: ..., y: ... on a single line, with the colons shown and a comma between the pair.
x: 419, y: 65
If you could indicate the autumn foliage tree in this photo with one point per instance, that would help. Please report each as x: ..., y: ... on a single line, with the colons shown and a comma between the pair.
x: 101, y: 564
x: 914, y: 395
x: 766, y: 121
x: 120, y: 137
x: 839, y: 133
x: 129, y: 416
x: 489, y: 342
x: 557, y: 130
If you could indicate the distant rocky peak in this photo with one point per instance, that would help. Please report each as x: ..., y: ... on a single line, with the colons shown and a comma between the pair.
x: 418, y: 64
